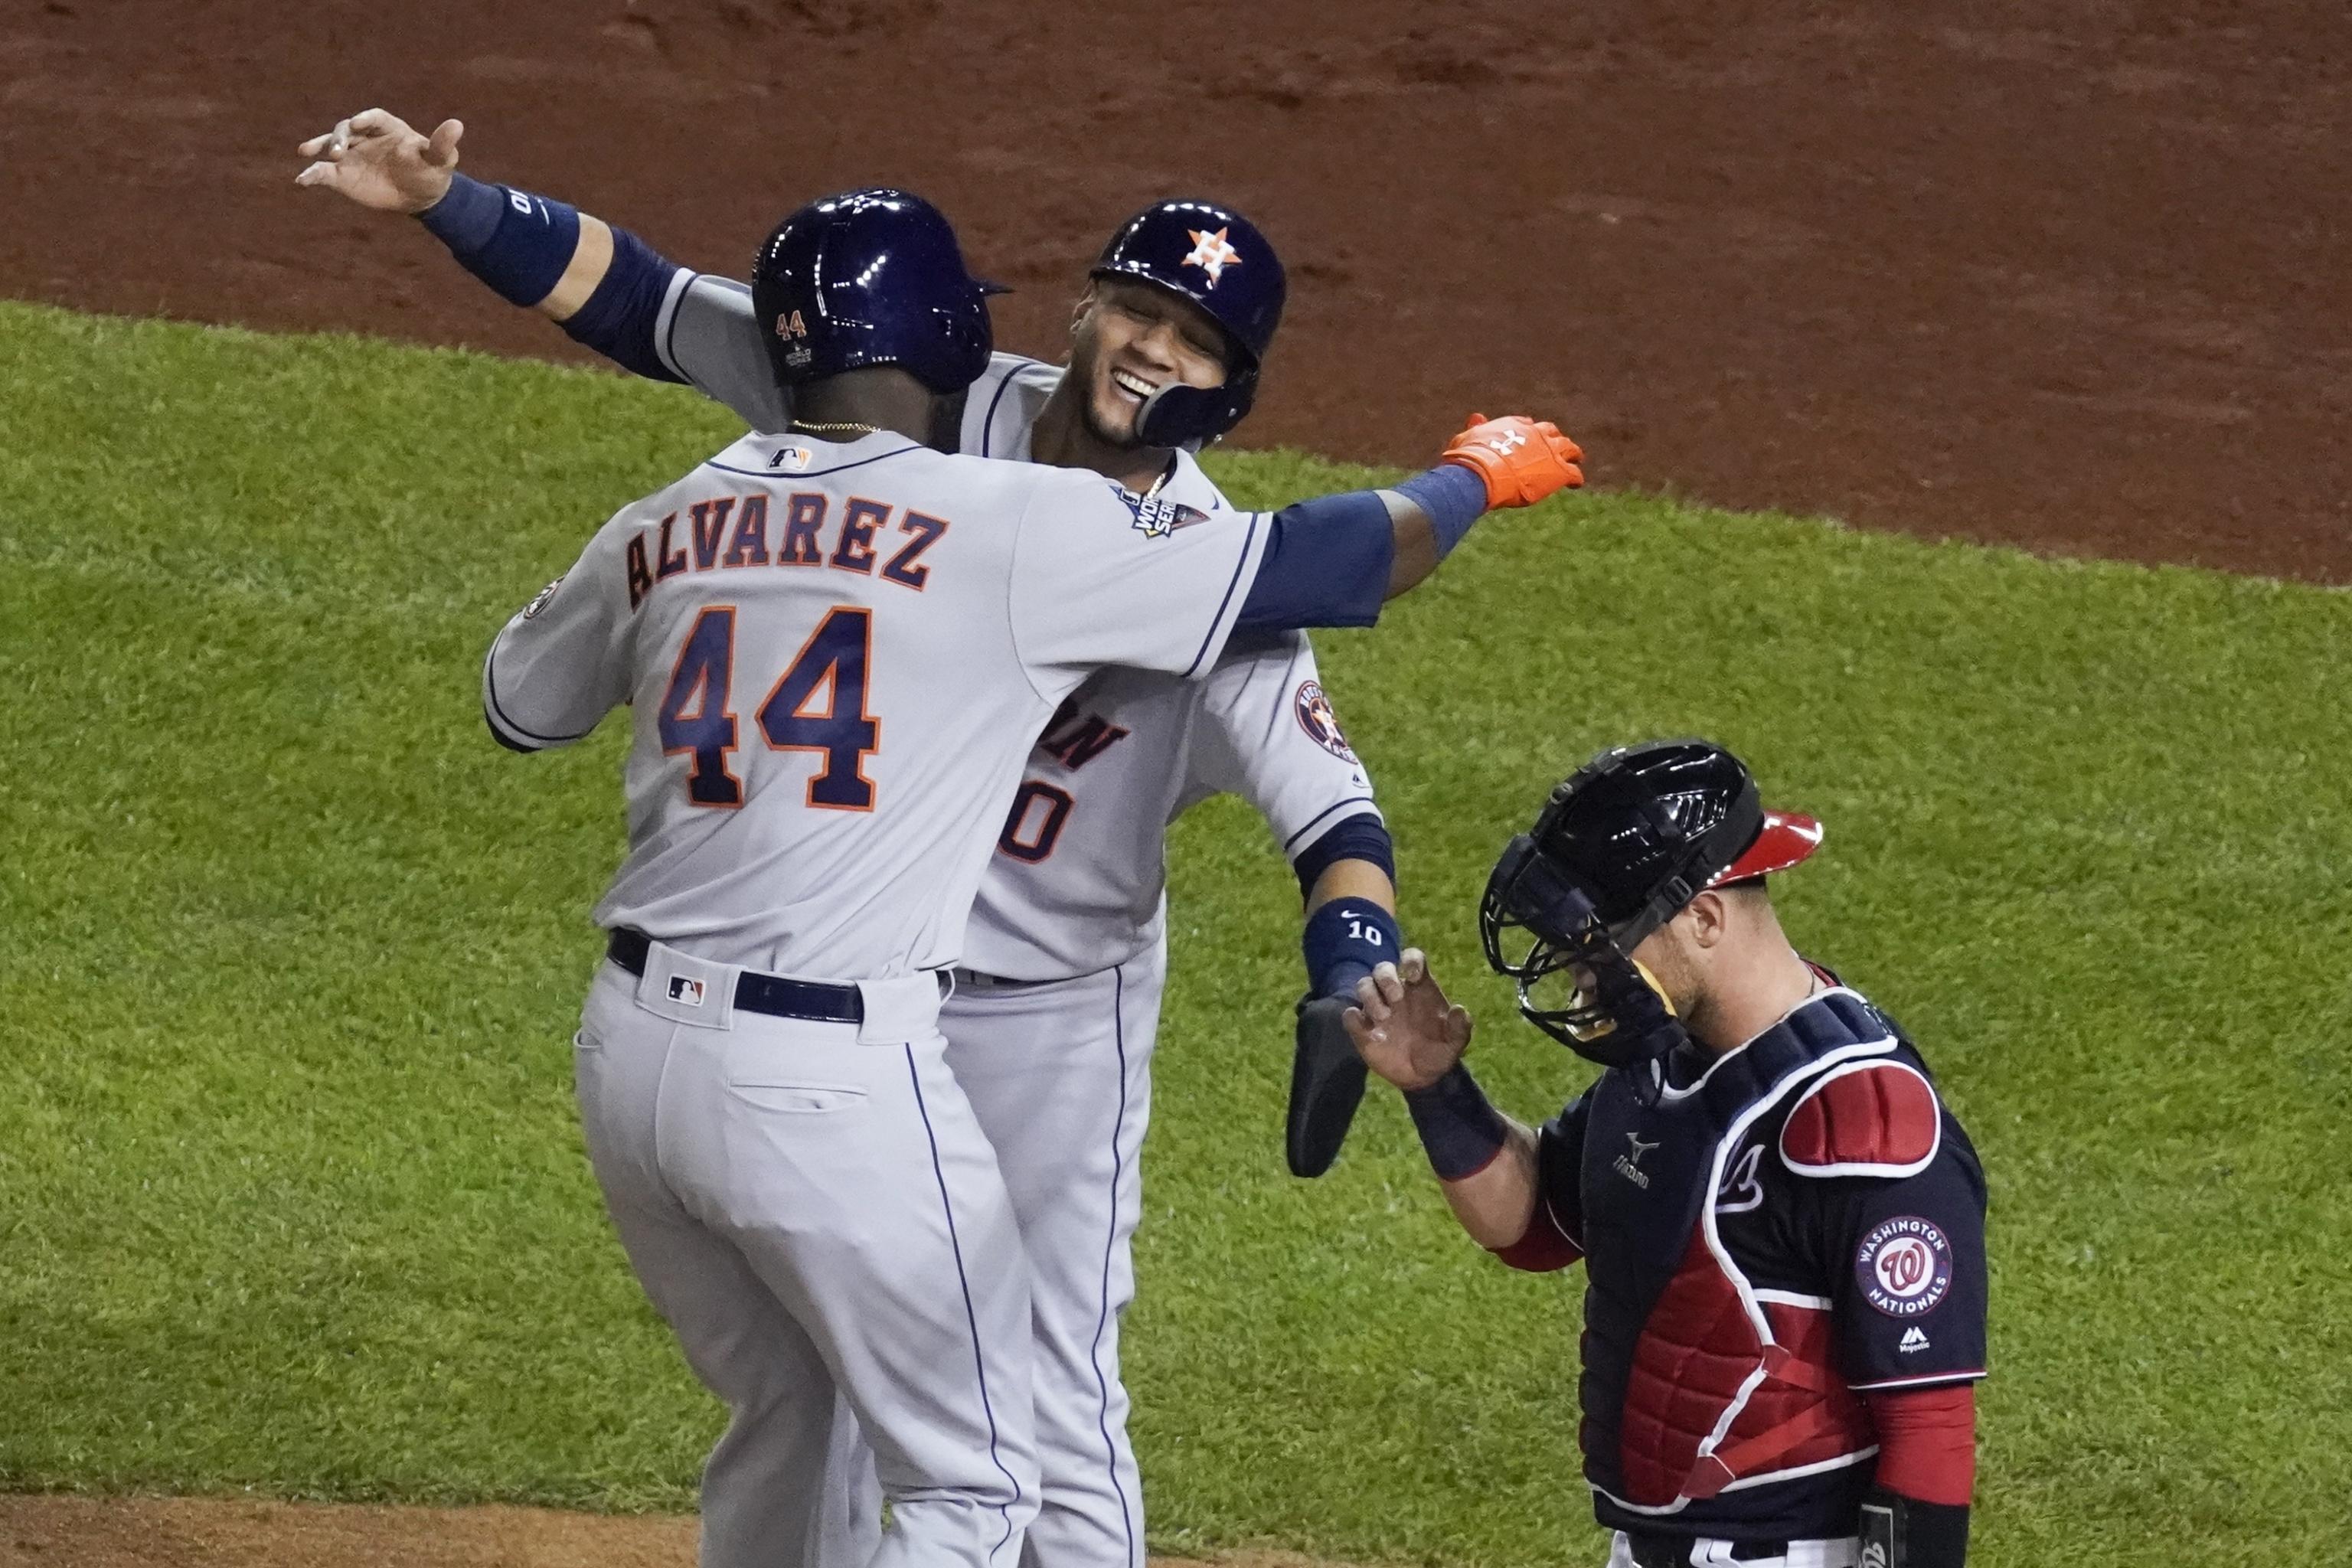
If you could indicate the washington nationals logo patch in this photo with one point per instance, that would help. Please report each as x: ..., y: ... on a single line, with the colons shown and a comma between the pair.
x: 1322, y: 725
x: 1905, y: 1267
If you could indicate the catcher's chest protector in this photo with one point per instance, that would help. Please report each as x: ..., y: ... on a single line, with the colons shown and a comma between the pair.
x: 1707, y: 1361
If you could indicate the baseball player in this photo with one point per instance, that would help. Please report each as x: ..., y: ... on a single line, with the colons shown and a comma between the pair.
x: 1782, y: 1226
x: 835, y: 644
x: 1052, y: 1027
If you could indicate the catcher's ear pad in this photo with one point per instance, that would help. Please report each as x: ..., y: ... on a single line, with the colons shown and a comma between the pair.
x: 1326, y: 1084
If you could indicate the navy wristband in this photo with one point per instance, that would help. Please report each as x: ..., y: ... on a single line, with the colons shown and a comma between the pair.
x: 1342, y: 942
x: 1460, y: 1130
x: 467, y: 215
x: 1452, y: 498
x: 517, y: 243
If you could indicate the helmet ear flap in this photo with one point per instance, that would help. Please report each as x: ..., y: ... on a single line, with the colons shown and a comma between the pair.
x: 1181, y: 416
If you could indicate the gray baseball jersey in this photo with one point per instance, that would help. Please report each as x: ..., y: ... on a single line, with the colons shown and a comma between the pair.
x: 837, y: 656
x: 1079, y: 881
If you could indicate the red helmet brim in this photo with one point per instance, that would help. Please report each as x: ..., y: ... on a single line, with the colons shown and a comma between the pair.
x: 1788, y: 837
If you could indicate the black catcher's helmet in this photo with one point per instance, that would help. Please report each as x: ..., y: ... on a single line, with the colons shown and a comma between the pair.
x: 871, y: 278
x: 1620, y: 846
x: 1217, y: 258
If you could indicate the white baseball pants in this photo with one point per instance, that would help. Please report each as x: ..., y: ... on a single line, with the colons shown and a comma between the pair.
x: 1059, y: 1079
x: 813, y: 1209
x: 1706, y: 1553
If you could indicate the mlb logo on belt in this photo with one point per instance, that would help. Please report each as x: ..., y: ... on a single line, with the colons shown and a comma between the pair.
x: 688, y: 991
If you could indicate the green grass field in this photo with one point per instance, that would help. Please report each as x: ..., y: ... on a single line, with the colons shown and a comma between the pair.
x: 290, y: 1190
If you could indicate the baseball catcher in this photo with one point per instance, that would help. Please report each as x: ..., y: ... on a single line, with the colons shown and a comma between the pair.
x: 1781, y: 1224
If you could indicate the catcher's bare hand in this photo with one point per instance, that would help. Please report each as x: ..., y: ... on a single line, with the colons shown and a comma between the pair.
x: 1404, y: 1027
x: 377, y: 159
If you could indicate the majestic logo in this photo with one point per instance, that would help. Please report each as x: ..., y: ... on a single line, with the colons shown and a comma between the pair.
x: 689, y: 992
x: 1905, y: 1267
x: 1629, y: 1165
x: 1913, y: 1340
x: 1321, y: 724
x: 793, y: 457
x: 1156, y: 517
x: 1211, y: 254
x: 539, y: 601
x: 1741, y: 1191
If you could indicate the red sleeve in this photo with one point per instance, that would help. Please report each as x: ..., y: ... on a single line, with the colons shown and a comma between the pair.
x: 1927, y: 1442
x: 1550, y: 1242
x: 1545, y: 1246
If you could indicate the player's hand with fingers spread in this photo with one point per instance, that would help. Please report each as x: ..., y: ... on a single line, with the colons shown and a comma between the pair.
x: 1403, y: 1025
x: 379, y: 161
x: 1522, y: 459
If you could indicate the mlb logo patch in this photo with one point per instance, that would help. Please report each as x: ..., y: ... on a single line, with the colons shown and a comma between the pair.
x: 793, y: 459
x: 685, y: 991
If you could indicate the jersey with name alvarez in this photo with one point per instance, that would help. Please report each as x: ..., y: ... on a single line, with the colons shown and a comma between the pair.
x: 835, y: 657
x: 1079, y: 881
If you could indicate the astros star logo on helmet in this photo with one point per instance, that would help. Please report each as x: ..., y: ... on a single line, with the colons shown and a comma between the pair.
x: 1211, y: 254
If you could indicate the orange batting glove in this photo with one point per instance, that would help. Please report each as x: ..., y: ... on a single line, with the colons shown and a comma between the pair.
x: 1521, y: 459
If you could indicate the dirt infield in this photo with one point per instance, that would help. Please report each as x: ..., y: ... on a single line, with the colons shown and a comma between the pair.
x: 2052, y: 274
x: 181, y: 1532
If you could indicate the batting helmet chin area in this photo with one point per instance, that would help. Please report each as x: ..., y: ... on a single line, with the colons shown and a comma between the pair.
x: 871, y: 278
x: 1217, y: 258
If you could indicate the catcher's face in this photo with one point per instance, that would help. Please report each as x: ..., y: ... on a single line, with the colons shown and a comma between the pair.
x: 1128, y: 340
x: 1679, y: 953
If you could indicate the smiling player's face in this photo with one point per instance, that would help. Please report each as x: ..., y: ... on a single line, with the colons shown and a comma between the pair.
x: 1128, y: 340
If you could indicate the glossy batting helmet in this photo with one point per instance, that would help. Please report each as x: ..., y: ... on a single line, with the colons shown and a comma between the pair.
x: 871, y: 278
x: 1217, y: 258
x: 1618, y: 850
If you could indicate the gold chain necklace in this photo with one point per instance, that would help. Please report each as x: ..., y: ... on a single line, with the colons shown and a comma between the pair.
x: 818, y: 427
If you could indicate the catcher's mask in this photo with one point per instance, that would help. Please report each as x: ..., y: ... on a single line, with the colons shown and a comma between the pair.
x: 1618, y: 850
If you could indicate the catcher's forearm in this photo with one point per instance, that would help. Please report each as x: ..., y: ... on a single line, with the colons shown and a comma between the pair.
x: 1485, y: 1161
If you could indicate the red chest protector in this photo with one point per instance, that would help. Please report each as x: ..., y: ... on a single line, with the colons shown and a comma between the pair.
x: 1708, y: 1352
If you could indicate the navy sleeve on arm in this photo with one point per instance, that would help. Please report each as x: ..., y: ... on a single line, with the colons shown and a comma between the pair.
x: 1907, y: 1270
x: 619, y: 319
x: 1326, y: 564
x: 1362, y: 837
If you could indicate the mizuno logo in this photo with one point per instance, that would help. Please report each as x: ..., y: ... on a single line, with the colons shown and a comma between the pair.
x: 1913, y: 1340
x: 1629, y: 1164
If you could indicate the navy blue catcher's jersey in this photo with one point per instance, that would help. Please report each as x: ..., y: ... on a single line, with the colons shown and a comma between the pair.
x: 1779, y: 1231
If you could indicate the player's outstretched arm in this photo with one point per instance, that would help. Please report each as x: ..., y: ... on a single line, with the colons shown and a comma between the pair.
x: 1334, y: 560
x: 607, y: 288
x: 380, y: 161
x: 1411, y: 1036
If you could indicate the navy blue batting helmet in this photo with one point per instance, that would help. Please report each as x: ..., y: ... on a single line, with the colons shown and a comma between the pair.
x: 871, y: 278
x: 1217, y: 258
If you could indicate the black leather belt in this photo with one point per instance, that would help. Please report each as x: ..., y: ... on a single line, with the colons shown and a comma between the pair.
x: 756, y: 992
x: 1674, y: 1551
